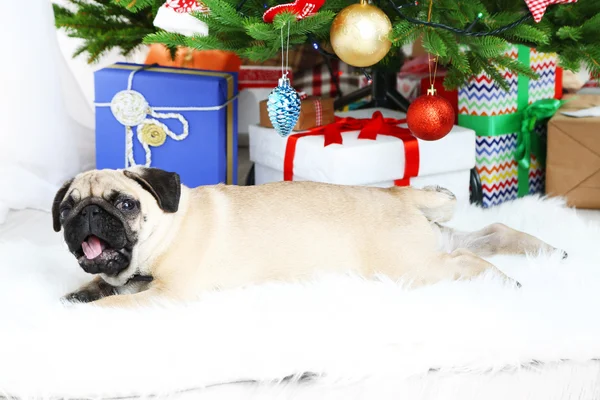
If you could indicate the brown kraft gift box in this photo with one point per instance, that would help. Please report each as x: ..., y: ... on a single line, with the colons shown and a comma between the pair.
x: 309, y: 118
x: 573, y: 160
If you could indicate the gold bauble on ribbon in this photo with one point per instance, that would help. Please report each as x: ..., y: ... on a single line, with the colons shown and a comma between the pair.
x: 359, y: 34
x: 153, y: 135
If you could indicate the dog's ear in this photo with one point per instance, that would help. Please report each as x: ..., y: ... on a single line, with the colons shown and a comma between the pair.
x: 60, y: 195
x: 164, y: 186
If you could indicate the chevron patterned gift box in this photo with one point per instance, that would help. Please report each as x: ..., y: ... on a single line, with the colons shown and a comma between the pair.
x: 496, y: 116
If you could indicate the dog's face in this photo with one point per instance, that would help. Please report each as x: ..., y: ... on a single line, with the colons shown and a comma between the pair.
x: 104, y: 213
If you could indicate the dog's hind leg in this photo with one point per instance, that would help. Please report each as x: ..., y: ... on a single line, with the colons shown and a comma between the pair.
x: 492, y: 240
x: 460, y: 264
x: 435, y: 202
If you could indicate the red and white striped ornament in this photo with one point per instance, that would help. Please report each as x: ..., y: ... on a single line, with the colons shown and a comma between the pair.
x: 175, y: 16
x: 185, y: 6
x: 538, y: 7
x: 302, y: 9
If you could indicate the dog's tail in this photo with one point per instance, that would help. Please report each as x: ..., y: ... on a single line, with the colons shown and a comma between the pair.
x: 436, y: 203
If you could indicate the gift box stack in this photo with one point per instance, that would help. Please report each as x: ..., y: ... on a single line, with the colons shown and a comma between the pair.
x: 370, y: 147
x: 510, y: 160
x: 179, y: 120
x: 573, y: 169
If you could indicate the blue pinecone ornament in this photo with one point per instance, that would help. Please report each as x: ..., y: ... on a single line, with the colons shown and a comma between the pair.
x: 283, y: 106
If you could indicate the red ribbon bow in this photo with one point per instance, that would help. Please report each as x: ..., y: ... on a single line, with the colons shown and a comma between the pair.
x: 369, y: 129
x: 538, y: 7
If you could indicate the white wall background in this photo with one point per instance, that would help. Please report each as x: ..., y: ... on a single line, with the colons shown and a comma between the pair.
x: 46, y: 106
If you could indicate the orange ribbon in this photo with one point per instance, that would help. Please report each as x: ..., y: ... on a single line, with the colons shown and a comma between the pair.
x: 369, y: 129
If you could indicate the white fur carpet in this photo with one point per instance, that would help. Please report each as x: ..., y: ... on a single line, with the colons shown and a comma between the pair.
x: 343, y: 329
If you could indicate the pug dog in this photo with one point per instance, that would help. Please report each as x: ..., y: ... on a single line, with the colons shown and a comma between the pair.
x: 146, y: 236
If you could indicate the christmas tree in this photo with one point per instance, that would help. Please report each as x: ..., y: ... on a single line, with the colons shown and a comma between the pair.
x: 466, y: 36
x: 106, y: 24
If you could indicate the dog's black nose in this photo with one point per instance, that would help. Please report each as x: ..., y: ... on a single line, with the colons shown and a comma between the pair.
x: 90, y: 211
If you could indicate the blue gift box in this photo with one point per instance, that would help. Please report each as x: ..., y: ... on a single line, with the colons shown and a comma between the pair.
x: 147, y: 121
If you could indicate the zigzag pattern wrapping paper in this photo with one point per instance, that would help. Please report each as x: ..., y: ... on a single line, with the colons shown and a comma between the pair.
x: 497, y: 169
x: 495, y: 155
x: 545, y: 66
x: 483, y: 97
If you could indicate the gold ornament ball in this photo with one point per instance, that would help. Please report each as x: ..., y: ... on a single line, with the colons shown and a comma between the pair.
x: 359, y: 34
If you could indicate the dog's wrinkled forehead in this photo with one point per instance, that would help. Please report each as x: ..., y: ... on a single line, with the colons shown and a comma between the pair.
x: 103, y: 184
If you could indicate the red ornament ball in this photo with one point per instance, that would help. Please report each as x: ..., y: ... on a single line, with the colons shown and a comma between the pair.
x: 430, y: 117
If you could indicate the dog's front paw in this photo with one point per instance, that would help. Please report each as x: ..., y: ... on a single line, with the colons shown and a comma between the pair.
x: 82, y: 296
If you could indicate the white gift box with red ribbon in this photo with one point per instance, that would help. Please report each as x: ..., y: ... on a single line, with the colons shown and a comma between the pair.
x: 380, y: 162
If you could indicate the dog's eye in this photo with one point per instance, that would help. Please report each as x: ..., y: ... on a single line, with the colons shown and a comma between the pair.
x: 64, y: 212
x: 126, y: 205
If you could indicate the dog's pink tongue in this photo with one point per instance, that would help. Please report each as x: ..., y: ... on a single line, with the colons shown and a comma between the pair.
x: 92, y: 247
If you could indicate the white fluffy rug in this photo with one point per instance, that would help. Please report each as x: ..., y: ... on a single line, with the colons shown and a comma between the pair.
x: 343, y: 329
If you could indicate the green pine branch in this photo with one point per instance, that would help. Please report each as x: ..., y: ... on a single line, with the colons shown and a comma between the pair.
x: 135, y: 5
x: 167, y: 38
x: 223, y: 12
x: 571, y: 30
x: 259, y: 30
x: 433, y: 43
x: 456, y: 56
x: 403, y: 32
x: 104, y: 25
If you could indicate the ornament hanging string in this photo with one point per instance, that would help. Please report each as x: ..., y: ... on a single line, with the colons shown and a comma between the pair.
x: 431, y: 90
x: 429, y: 11
x: 284, y: 71
x: 430, y: 117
